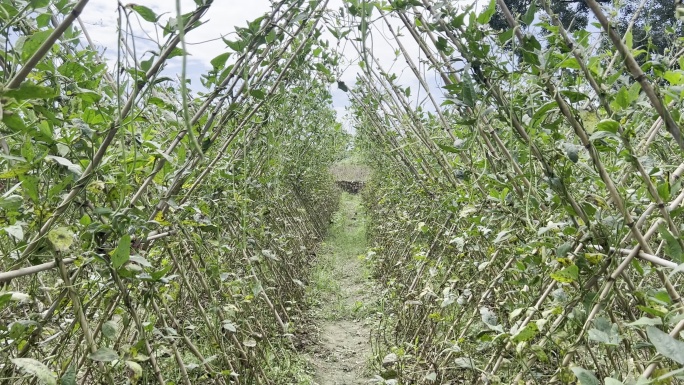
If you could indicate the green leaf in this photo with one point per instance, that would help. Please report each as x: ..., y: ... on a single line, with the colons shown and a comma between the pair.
x: 634, y: 92
x: 605, y: 332
x: 645, y: 321
x: 675, y: 78
x: 92, y: 117
x: 573, y: 153
x: 104, y: 354
x: 570, y: 62
x: 542, y: 111
x: 15, y: 171
x: 526, y: 333
x: 321, y: 67
x: 612, y: 381
x: 652, y: 311
x: 528, y: 18
x: 30, y: 183
x: 39, y: 3
x: 662, y: 296
x: 574, y: 96
x: 14, y: 122
x: 59, y: 186
x: 342, y: 86
x: 69, y: 376
x: 608, y: 125
x: 140, y: 261
x: 530, y: 43
x: 585, y: 377
x: 28, y: 90
x: 300, y: 17
x: 603, y: 135
x: 34, y: 42
x: 122, y: 253
x: 237, y: 46
x: 505, y: 36
x: 666, y: 344
x: 468, y: 94
x: 465, y: 363
x: 176, y: 52
x: 144, y: 12
x: 16, y: 231
x: 110, y: 329
x: 145, y: 65
x: 531, y: 58
x: 487, y: 14
x: 621, y: 98
x: 159, y: 274
x: 672, y: 247
x: 89, y: 96
x: 76, y: 169
x: 61, y: 238
x: 37, y: 369
x: 458, y: 20
x: 220, y: 60
x: 5, y: 298
x: 11, y: 203
x: 441, y: 44
x: 567, y: 275
x: 564, y: 249
x: 271, y: 37
x: 663, y: 189
x: 258, y: 94
x: 448, y: 148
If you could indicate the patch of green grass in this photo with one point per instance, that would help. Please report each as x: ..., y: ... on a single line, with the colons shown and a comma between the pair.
x: 349, y: 233
x: 337, y: 269
x: 290, y: 369
x: 324, y: 287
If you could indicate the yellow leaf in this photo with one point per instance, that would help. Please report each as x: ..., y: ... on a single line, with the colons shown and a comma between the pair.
x: 160, y: 219
x: 594, y: 258
x: 61, y: 238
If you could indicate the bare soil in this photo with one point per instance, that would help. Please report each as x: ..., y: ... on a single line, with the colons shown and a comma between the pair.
x: 342, y: 350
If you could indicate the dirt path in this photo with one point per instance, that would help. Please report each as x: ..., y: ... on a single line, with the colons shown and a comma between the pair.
x: 343, y: 347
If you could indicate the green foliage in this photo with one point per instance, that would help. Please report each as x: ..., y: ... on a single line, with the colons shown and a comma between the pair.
x: 132, y: 248
x: 104, y: 354
x: 37, y: 369
x: 526, y: 219
x: 144, y: 12
x: 585, y: 377
x: 486, y: 15
x: 122, y: 253
x: 521, y: 224
x: 666, y: 345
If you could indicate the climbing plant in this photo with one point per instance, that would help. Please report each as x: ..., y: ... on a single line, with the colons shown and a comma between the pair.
x: 524, y: 208
x: 151, y: 233
x: 525, y: 212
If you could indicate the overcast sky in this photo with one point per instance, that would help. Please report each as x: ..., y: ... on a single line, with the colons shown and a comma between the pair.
x: 100, y: 19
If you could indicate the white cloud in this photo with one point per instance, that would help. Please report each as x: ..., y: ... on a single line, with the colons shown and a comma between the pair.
x: 204, y: 43
x: 384, y: 47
